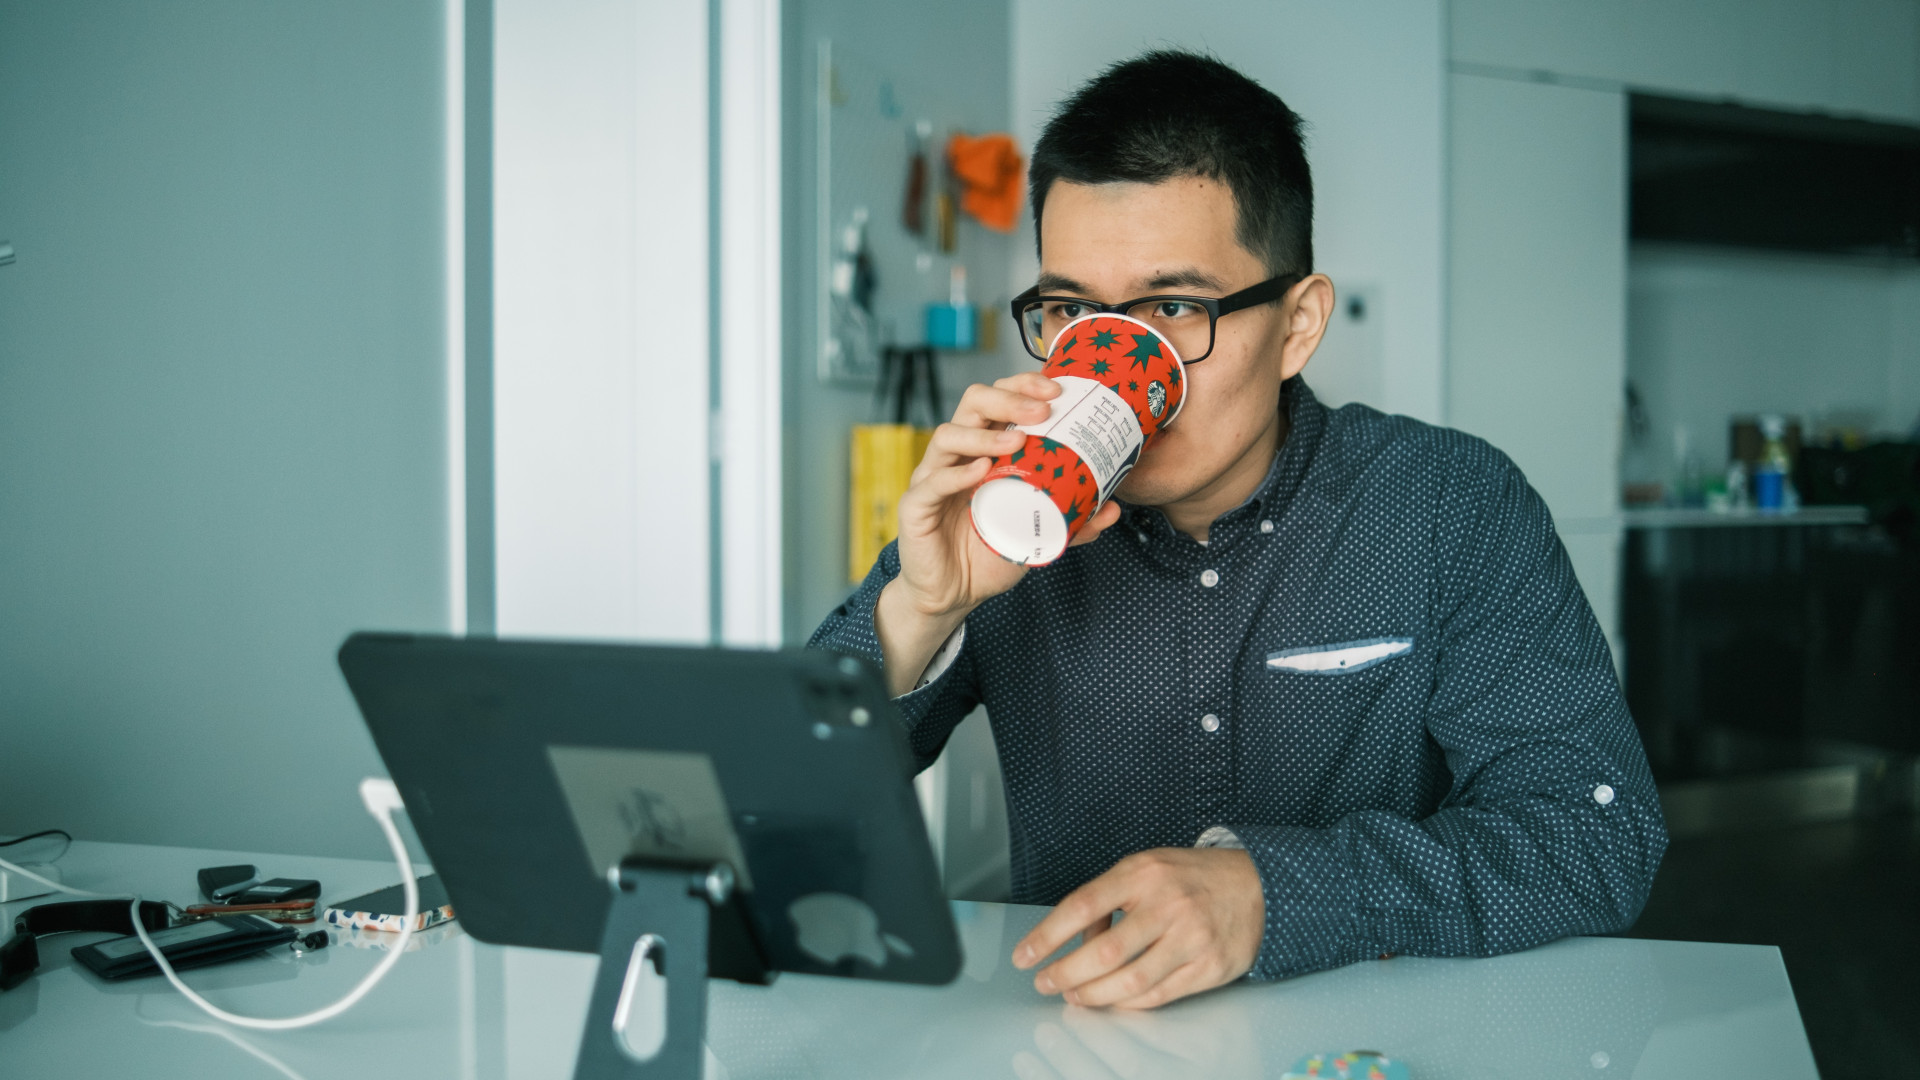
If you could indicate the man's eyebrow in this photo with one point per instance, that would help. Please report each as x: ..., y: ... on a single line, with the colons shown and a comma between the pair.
x: 1057, y: 283
x: 1184, y: 278
x: 1187, y: 278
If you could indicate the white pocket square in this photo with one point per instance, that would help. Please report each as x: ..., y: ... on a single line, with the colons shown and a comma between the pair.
x: 1338, y: 659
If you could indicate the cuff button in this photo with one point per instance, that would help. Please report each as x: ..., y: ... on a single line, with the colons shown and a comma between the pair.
x: 1603, y: 794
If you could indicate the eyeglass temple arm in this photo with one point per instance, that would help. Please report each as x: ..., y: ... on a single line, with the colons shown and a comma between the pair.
x: 1265, y: 292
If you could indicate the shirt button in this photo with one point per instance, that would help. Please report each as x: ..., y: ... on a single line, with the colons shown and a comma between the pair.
x: 1210, y: 722
x: 1266, y: 526
x: 1209, y: 577
x: 1603, y: 794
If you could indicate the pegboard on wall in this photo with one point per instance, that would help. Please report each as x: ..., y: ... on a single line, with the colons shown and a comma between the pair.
x: 869, y: 119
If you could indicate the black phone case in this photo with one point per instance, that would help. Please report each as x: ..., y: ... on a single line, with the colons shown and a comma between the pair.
x: 246, y: 935
x: 219, y: 877
x: 278, y: 891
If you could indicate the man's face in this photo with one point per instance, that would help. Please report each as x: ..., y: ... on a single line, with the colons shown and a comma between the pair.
x: 1115, y: 242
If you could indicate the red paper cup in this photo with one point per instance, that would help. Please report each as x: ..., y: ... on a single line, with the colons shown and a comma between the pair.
x: 1121, y: 385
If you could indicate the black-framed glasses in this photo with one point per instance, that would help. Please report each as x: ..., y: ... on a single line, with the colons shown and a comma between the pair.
x: 1186, y: 322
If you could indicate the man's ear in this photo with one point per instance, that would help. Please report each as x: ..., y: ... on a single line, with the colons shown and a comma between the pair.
x: 1306, y: 308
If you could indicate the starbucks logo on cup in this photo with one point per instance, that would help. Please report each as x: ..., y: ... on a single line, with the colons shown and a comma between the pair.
x: 1156, y: 398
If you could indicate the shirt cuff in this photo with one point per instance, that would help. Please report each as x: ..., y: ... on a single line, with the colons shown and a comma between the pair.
x: 1220, y: 836
x: 943, y: 658
x: 1312, y: 900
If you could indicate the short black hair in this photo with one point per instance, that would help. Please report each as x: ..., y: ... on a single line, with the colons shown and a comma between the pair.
x: 1169, y: 113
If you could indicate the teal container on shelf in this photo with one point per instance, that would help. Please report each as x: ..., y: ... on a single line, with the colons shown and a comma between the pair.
x: 953, y: 327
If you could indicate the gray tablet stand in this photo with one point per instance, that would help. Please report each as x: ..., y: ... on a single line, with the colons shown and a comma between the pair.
x: 657, y: 926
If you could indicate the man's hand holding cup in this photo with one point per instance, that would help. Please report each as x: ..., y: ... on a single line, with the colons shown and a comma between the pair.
x: 945, y: 569
x: 1026, y: 469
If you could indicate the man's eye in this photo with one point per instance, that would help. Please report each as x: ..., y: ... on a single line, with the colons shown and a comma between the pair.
x: 1068, y: 312
x: 1175, y: 309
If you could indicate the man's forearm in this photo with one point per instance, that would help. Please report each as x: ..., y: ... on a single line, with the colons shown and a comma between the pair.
x: 908, y: 636
x: 1460, y: 882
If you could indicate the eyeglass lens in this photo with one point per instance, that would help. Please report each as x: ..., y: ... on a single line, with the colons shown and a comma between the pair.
x: 1184, y: 325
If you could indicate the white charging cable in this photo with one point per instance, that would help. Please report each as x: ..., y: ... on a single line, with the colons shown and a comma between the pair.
x: 381, y: 799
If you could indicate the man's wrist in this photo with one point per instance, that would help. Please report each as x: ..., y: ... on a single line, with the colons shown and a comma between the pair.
x: 909, y: 637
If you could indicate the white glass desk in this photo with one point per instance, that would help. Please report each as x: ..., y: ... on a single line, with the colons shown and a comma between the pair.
x: 1594, y: 1008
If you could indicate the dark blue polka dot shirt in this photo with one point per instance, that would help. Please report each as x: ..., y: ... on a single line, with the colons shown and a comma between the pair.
x: 1379, y: 675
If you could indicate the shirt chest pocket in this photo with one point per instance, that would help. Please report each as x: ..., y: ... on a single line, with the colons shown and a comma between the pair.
x: 1346, y: 658
x: 1339, y: 684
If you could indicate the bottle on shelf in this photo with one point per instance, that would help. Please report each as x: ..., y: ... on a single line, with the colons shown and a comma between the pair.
x: 1737, y: 494
x: 1770, y: 474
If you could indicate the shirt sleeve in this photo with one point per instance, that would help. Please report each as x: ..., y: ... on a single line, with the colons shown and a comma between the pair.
x: 1551, y: 826
x: 945, y: 692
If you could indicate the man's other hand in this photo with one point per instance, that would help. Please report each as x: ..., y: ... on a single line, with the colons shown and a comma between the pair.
x: 1193, y: 919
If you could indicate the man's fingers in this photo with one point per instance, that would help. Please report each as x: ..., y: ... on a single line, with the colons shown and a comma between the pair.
x: 991, y: 406
x: 1030, y: 383
x: 936, y: 486
x: 1097, y: 899
x: 1135, y: 979
x: 1189, y: 978
x: 956, y: 442
x: 1100, y: 522
x: 1098, y: 955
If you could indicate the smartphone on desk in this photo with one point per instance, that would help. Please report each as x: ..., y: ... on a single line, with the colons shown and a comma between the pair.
x: 386, y: 909
x: 188, y: 945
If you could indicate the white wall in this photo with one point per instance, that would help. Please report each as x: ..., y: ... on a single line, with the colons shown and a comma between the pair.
x: 223, y: 430
x: 1848, y: 56
x: 1713, y: 333
x: 1369, y: 80
x: 1537, y: 270
x: 601, y: 320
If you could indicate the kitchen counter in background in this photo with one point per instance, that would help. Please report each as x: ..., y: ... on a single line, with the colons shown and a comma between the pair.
x: 1771, y: 667
x: 1676, y: 517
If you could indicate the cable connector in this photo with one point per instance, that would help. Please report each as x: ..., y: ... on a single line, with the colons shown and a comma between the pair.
x: 380, y: 796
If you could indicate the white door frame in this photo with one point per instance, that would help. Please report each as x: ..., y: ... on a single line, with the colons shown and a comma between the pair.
x: 628, y: 467
x: 746, y: 328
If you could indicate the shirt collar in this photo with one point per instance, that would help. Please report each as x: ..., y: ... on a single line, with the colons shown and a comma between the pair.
x: 1306, y: 421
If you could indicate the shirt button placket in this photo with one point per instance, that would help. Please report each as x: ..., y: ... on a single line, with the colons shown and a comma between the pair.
x: 1215, y: 752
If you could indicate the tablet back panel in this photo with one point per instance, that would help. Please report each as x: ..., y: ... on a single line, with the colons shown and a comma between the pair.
x: 529, y: 767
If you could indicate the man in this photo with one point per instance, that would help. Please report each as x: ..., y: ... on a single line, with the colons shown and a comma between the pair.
x: 1319, y: 685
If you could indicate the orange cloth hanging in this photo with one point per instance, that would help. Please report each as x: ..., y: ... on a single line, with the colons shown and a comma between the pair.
x: 991, y: 168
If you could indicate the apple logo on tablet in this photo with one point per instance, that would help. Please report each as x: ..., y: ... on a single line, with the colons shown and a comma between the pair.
x: 833, y: 926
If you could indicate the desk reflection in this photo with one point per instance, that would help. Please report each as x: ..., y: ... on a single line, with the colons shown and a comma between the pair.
x: 1106, y: 1044
x: 1566, y: 1010
x: 1577, y: 1008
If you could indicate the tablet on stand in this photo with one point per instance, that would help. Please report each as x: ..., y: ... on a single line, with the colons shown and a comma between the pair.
x: 685, y: 813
